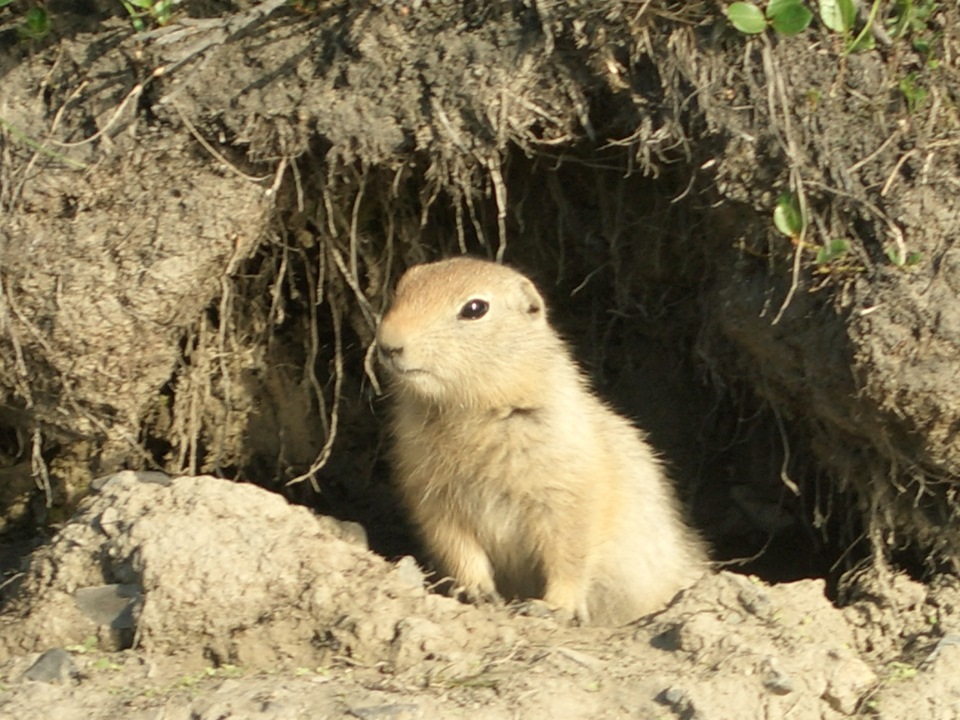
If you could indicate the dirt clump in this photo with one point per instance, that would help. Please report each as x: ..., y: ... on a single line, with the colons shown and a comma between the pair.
x: 217, y: 572
x: 238, y: 600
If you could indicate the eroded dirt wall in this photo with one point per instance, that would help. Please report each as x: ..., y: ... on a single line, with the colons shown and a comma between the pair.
x: 203, y: 222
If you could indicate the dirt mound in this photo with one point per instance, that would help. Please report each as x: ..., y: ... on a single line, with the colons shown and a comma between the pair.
x: 238, y: 602
x: 212, y: 571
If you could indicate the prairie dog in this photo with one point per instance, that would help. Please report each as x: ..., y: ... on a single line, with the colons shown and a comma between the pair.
x: 522, y: 483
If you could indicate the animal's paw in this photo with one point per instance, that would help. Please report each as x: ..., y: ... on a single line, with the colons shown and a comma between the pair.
x: 476, y: 595
x: 542, y: 609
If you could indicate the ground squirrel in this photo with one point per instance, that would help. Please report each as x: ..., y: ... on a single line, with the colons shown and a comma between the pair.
x: 520, y: 481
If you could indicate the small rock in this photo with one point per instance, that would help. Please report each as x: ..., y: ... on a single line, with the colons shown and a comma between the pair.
x: 678, y: 699
x: 108, y: 605
x: 848, y: 681
x: 948, y: 640
x: 109, y: 522
x: 408, y: 572
x: 147, y: 476
x: 579, y: 657
x: 776, y: 680
x: 346, y: 530
x: 756, y: 602
x: 53, y: 666
x: 705, y: 632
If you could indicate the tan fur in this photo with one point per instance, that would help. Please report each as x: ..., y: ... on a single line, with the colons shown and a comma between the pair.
x: 522, y: 483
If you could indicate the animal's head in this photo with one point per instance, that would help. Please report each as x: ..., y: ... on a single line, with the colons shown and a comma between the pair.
x: 464, y: 332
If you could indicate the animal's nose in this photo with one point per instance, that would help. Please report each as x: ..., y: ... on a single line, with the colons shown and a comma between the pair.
x: 389, y: 352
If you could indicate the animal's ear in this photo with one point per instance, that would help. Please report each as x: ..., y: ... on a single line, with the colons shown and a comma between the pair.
x: 534, y: 302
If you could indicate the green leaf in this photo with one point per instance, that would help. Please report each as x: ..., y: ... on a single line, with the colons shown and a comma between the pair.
x: 789, y: 18
x: 914, y: 93
x: 162, y: 11
x: 838, y: 15
x: 863, y: 43
x: 4, y: 3
x: 89, y: 645
x: 776, y: 7
x: 747, y: 18
x: 910, y: 259
x: 834, y: 249
x: 36, y: 24
x: 787, y: 216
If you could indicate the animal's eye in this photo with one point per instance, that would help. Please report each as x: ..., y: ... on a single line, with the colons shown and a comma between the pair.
x: 474, y: 309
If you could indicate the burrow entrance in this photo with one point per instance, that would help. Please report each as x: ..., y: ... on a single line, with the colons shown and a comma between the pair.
x: 629, y: 265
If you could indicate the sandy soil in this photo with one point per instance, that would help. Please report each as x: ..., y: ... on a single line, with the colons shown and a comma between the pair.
x: 205, y: 599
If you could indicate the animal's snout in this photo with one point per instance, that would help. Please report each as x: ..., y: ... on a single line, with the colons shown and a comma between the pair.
x: 388, y: 353
x: 390, y: 343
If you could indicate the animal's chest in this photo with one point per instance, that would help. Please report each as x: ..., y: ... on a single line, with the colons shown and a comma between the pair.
x: 491, y: 472
x: 486, y: 451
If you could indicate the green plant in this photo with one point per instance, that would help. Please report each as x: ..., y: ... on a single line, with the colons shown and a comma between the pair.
x: 35, y: 25
x: 788, y: 216
x: 914, y: 93
x: 104, y: 663
x: 910, y: 18
x: 787, y: 17
x: 833, y: 250
x: 903, y: 259
x: 790, y: 17
x: 838, y: 15
x: 30, y: 142
x: 89, y: 644
x: 159, y: 11
x: 224, y: 671
x: 841, y: 17
x: 898, y: 671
